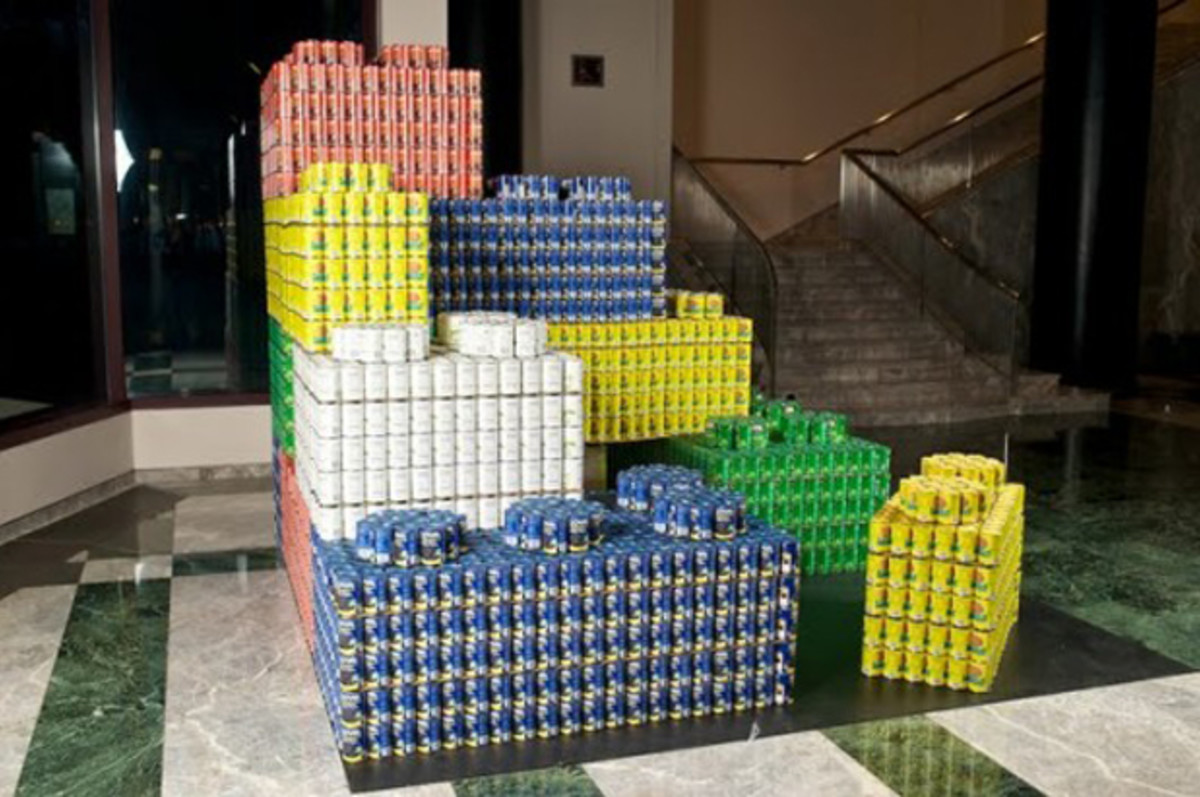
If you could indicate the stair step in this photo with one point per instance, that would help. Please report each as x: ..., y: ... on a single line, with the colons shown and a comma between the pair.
x: 790, y: 279
x: 880, y: 373
x: 855, y: 398
x: 842, y: 292
x: 797, y: 355
x: 881, y: 310
x: 833, y: 331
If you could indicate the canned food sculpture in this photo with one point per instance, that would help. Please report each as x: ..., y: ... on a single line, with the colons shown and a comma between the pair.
x: 944, y: 574
x: 505, y: 644
x: 800, y: 471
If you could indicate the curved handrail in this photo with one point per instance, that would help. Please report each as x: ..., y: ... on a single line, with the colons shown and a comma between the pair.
x: 961, y: 118
x: 983, y: 272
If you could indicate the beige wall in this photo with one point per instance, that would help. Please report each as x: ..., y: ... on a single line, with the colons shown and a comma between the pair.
x: 781, y: 78
x: 623, y: 127
x: 201, y: 437
x: 413, y: 22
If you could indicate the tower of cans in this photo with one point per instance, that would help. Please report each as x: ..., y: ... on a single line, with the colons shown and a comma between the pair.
x: 323, y: 104
x: 345, y: 248
x: 503, y: 644
x: 944, y: 574
x: 665, y: 376
x: 800, y: 471
x: 582, y: 250
x: 393, y: 425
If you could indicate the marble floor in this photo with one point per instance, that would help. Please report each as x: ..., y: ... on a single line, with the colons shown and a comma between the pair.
x: 149, y: 645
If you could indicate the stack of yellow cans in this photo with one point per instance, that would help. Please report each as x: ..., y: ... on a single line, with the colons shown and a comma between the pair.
x: 346, y: 248
x: 660, y: 377
x: 695, y: 304
x: 944, y: 574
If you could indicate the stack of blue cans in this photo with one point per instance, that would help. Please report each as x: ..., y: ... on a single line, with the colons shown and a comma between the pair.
x: 504, y: 644
x: 554, y: 525
x: 410, y: 537
x: 698, y: 513
x: 639, y: 486
x: 599, y: 255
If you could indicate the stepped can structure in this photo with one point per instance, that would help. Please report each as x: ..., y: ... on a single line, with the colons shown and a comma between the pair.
x: 799, y: 470
x: 944, y: 575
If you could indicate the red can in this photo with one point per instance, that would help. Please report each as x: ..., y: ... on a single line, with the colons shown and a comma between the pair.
x: 329, y: 52
x: 454, y: 137
x: 280, y: 77
x: 475, y: 185
x: 372, y: 135
x: 455, y: 82
x: 305, y: 51
x: 338, y: 154
x: 370, y: 107
x: 370, y: 80
x: 318, y: 131
x: 354, y: 132
x: 456, y: 109
x: 353, y: 79
x: 437, y: 82
x: 300, y: 79
x: 402, y: 110
x: 315, y: 107
x: 401, y: 134
x: 475, y: 161
x: 387, y: 107
x: 437, y: 56
x: 335, y: 132
x: 318, y: 80
x: 420, y: 109
x: 474, y: 135
x: 372, y: 153
x: 416, y: 81
x: 355, y: 154
x: 474, y: 82
x: 335, y: 78
x: 416, y: 56
x: 437, y: 109
x: 475, y: 109
x: 354, y: 106
x: 435, y: 135
x: 350, y: 53
x: 418, y: 135
x: 335, y: 106
x: 420, y: 161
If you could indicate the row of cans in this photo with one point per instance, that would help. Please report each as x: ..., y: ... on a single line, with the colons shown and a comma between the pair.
x: 352, y: 242
x: 471, y: 219
x: 338, y: 196
x: 497, y: 283
x: 607, y: 306
x: 923, y: 668
x: 784, y: 464
x: 640, y: 486
x: 921, y: 541
x: 699, y: 514
x: 938, y: 608
x: 414, y: 168
x: 945, y: 501
x: 366, y: 120
x: 543, y: 186
x: 976, y: 468
x: 695, y: 304
x: 653, y: 425
x: 415, y: 56
x: 554, y: 526
x: 387, y: 80
x: 318, y: 51
x: 410, y: 538
x: 408, y: 304
x: 791, y: 430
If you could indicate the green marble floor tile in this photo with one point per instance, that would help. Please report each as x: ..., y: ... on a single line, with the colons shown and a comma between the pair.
x: 918, y: 758
x: 208, y: 563
x: 560, y: 781
x: 100, y: 731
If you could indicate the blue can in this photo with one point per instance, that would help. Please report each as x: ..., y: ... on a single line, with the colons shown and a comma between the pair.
x: 704, y: 565
x: 546, y: 579
x: 477, y: 728
x: 593, y: 574
x: 744, y: 598
x: 615, y: 648
x: 657, y: 705
x: 453, y: 730
x: 722, y: 695
x: 593, y: 711
x: 726, y: 562
x: 524, y: 616
x: 702, y: 698
x: 450, y: 625
x: 531, y: 532
x: 398, y: 586
x: 351, y: 709
x: 350, y: 671
x: 743, y: 628
x: 499, y: 651
x: 349, y: 632
x: 474, y: 623
x: 614, y: 708
x: 548, y: 720
x: 473, y: 587
x: 525, y: 649
x: 453, y: 695
x: 614, y: 572
x: 724, y: 632
x: 679, y: 700
x: 764, y: 689
x: 591, y: 644
x: 450, y: 588
x: 660, y: 569
x: 571, y: 576
x: 499, y: 620
x: 547, y: 649
x: 346, y: 592
x: 723, y: 597
x: 375, y: 670
x: 660, y: 603
x: 524, y: 720
x: 592, y: 608
x: 496, y: 585
x: 351, y: 744
x: 374, y: 589
x: 424, y: 590
x: 524, y: 582
x: 615, y: 608
x: 789, y: 554
x: 768, y: 559
x: 747, y: 560
x: 681, y: 566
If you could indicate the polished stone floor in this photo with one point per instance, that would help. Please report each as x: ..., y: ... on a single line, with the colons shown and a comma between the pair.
x: 149, y: 645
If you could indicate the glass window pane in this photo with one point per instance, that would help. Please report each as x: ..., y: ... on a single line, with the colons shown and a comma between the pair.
x: 49, y: 356
x: 187, y: 81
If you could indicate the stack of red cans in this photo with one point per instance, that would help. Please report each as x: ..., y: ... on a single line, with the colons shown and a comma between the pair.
x: 296, y: 544
x: 322, y: 104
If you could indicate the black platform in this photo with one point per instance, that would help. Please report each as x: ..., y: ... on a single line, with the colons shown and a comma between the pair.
x: 1048, y: 652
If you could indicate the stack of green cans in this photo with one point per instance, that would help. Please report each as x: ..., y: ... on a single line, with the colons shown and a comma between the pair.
x: 283, y: 406
x: 798, y: 470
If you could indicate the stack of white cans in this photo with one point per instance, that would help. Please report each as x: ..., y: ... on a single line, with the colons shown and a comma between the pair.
x: 466, y: 433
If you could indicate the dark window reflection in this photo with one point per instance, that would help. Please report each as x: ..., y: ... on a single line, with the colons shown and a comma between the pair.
x: 187, y: 86
x: 49, y: 356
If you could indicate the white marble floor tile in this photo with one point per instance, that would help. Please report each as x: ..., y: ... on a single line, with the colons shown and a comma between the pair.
x: 31, y: 627
x: 243, y: 714
x: 1133, y: 739
x: 140, y: 568
x: 794, y: 764
x: 224, y: 522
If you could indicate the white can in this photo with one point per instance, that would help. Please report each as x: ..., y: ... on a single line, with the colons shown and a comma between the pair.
x: 552, y: 442
x: 420, y: 380
x: 375, y: 418
x: 395, y: 344
x: 573, y: 442
x: 465, y: 410
x: 510, y: 413
x: 322, y: 378
x: 375, y: 452
x: 531, y: 444
x: 421, y: 450
x: 421, y: 481
x: 377, y: 486
x: 552, y: 409
x: 488, y: 478
x: 531, y: 476
x: 444, y: 371
x: 487, y: 413
x: 525, y: 338
x: 552, y: 475
x: 510, y: 377
x: 325, y: 419
x: 443, y: 481
x: 487, y: 377
x: 351, y: 381
x: 418, y: 342
x: 398, y: 381
x: 573, y: 474
x: 531, y: 412
x: 466, y: 444
x: 510, y: 445
x: 510, y: 478
x: 326, y: 455
x: 328, y: 521
x: 353, y: 453
x: 398, y: 418
x: 397, y: 448
x: 466, y: 376
x: 469, y: 509
x: 443, y: 448
x: 487, y: 446
x: 552, y: 373
x: 420, y: 420
x: 350, y: 517
x: 443, y: 415
x: 375, y: 382
x: 575, y: 495
x: 531, y: 376
x: 572, y: 410
x: 445, y: 504
x: 353, y: 488
x: 489, y: 512
x: 328, y: 488
x: 398, y: 486
x: 466, y: 478
x: 353, y: 419
x: 572, y: 373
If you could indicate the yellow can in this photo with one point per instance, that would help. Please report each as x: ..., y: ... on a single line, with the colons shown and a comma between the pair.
x: 948, y: 505
x: 356, y: 273
x: 338, y: 311
x: 901, y: 538
x: 374, y: 208
x: 396, y: 300
x: 356, y: 241
x: 914, y: 667
x: 935, y: 669
x: 893, y: 664
x: 988, y: 545
x: 941, y: 577
x: 335, y: 208
x: 378, y: 306
x: 873, y: 630
x: 920, y: 574
x: 918, y: 605
x: 921, y: 540
x: 937, y: 641
x: 960, y: 639
x: 356, y: 305
x: 939, y: 607
x: 876, y: 601
x: 960, y: 612
x: 963, y: 581
x: 418, y: 208
x: 377, y: 272
x: 416, y: 269
x: 956, y: 673
x: 943, y: 542
x: 984, y: 582
x: 353, y: 210
x: 895, y: 633
x: 418, y: 303
x: 971, y: 504
x: 377, y: 240
x: 872, y: 661
x: 916, y: 636
x: 877, y: 569
x: 417, y: 239
x: 979, y: 677
x: 359, y: 177
x: 379, y: 176
x: 335, y: 273
x: 312, y: 208
x: 966, y: 543
x: 397, y: 240
x: 897, y: 572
